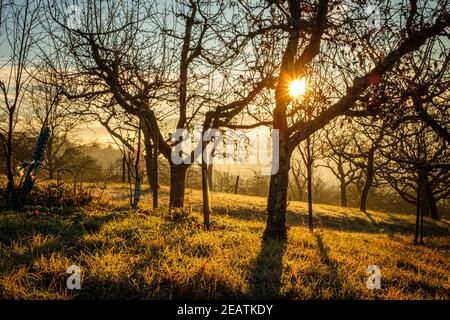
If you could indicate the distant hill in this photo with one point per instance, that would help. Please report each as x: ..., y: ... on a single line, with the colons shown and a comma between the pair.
x: 104, y: 155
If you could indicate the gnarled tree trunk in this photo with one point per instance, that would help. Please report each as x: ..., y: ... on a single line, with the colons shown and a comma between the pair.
x: 177, y: 185
x: 277, y: 200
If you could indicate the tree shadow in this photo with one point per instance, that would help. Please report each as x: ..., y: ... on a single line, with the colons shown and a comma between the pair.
x: 242, y: 213
x: 371, y: 219
x: 414, y: 286
x: 64, y: 232
x: 343, y: 222
x: 265, y: 276
x: 332, y: 266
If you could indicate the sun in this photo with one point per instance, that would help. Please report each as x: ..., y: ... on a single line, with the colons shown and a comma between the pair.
x: 297, y: 88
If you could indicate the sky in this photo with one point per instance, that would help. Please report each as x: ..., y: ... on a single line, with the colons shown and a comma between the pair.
x: 88, y: 132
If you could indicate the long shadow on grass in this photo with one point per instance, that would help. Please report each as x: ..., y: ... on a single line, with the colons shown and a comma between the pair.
x: 334, y: 279
x: 351, y: 223
x: 371, y: 219
x: 265, y: 277
x: 410, y: 286
x: 14, y: 228
x: 65, y: 233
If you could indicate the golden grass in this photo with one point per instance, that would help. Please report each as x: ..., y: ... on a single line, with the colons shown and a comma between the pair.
x: 145, y: 255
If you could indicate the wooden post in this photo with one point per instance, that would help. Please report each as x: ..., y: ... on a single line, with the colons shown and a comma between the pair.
x: 205, y: 187
x: 155, y: 172
x: 137, y: 182
x: 309, y: 174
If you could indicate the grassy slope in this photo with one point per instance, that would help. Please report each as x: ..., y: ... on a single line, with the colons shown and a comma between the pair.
x: 146, y: 255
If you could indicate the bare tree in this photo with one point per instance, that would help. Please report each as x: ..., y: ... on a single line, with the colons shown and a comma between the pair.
x: 18, y: 27
x: 333, y: 153
x: 298, y: 176
x: 418, y: 168
x: 47, y: 108
x: 157, y: 65
x: 307, y: 30
x: 309, y: 155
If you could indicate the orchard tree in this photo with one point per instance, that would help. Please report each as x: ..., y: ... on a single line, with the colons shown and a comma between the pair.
x: 153, y: 67
x: 335, y: 158
x: 418, y: 168
x: 315, y: 31
x: 47, y: 107
x: 18, y: 37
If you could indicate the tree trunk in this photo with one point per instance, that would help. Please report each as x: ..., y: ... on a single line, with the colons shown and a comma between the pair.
x: 421, y: 226
x: 151, y: 164
x: 418, y: 208
x: 236, y: 185
x: 434, y: 213
x: 277, y: 199
x: 154, y: 175
x: 299, y: 187
x: 425, y: 202
x: 343, y: 185
x: 210, y: 177
x: 11, y: 195
x: 310, y: 211
x: 177, y: 185
x: 429, y: 201
x: 369, y: 181
x: 123, y: 169
x: 128, y: 169
x: 149, y: 158
x: 343, y: 188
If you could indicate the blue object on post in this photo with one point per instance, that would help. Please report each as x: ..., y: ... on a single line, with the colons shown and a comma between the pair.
x: 33, y: 166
